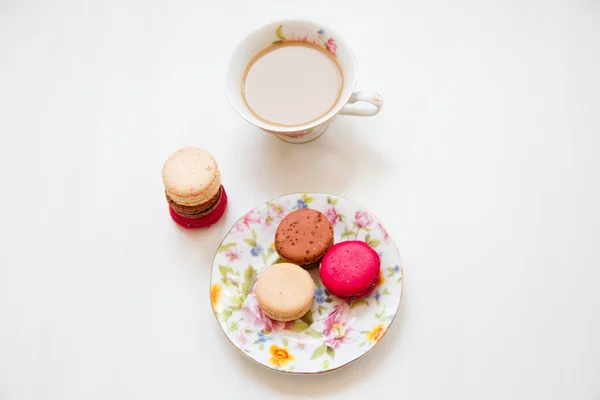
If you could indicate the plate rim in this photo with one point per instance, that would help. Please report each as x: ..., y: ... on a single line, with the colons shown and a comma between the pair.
x: 300, y: 372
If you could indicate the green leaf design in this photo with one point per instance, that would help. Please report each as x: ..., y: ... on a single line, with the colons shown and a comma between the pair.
x: 254, y: 235
x: 231, y: 285
x: 226, y: 314
x: 319, y: 351
x: 249, y: 278
x: 331, y: 352
x: 277, y: 41
x: 368, y: 238
x: 360, y: 302
x: 225, y: 247
x: 373, y: 243
x: 224, y: 270
x: 285, y: 341
x: 308, y: 200
x: 238, y: 300
x: 348, y: 233
x: 236, y: 308
x: 386, y: 291
x: 399, y: 279
x: 362, y: 344
x: 329, y: 300
x: 332, y: 200
x: 233, y: 327
x: 279, y: 33
x: 326, y: 364
x: 250, y: 242
x: 270, y: 251
x: 299, y: 326
x: 313, y: 333
x: 261, y: 346
x: 308, y: 318
x: 279, y: 261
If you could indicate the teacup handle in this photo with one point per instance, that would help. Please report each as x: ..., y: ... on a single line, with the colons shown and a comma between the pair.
x: 369, y: 97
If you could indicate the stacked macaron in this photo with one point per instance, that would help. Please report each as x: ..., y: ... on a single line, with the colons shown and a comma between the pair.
x: 304, y: 239
x: 193, y: 188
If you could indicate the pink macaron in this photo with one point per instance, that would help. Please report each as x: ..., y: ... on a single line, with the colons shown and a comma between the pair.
x: 350, y: 270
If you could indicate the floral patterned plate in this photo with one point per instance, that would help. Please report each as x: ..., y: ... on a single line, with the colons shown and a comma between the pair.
x: 334, y: 332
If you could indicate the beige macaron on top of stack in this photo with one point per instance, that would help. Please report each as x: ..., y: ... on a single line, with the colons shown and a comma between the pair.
x: 191, y: 176
x: 285, y: 292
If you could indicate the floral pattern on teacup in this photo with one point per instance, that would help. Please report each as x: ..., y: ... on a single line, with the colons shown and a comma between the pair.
x: 333, y: 333
x: 320, y: 38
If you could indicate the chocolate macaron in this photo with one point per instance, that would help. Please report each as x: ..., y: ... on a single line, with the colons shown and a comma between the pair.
x: 303, y: 237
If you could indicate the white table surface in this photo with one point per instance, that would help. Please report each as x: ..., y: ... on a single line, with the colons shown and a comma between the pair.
x: 483, y: 164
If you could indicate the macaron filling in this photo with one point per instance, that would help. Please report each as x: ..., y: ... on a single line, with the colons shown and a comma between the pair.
x: 365, y: 293
x: 205, y: 221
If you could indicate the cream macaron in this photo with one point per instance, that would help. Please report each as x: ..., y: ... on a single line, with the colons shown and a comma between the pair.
x: 191, y: 176
x: 285, y: 292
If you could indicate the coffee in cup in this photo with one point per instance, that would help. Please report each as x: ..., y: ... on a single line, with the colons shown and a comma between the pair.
x: 292, y: 83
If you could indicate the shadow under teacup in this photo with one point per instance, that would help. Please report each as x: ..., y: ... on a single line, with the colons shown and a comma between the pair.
x: 282, y: 32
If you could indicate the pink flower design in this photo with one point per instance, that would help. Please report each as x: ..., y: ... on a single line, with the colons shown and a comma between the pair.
x: 252, y: 313
x: 242, y: 337
x: 232, y: 255
x: 332, y: 215
x: 301, y: 343
x: 386, y: 237
x: 267, y: 220
x: 278, y: 210
x: 299, y: 134
x: 248, y: 219
x: 363, y: 219
x: 304, y: 35
x: 337, y: 326
x: 275, y: 213
x: 332, y: 46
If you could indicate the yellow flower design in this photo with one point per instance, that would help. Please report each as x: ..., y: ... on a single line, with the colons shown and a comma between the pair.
x: 272, y: 245
x: 339, y: 330
x: 381, y: 278
x: 376, y: 333
x: 280, y: 355
x: 215, y: 294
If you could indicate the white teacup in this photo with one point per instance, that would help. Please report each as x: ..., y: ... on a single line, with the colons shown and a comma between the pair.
x: 312, y: 33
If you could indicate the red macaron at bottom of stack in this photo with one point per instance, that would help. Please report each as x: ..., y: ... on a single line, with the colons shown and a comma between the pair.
x: 202, y: 222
